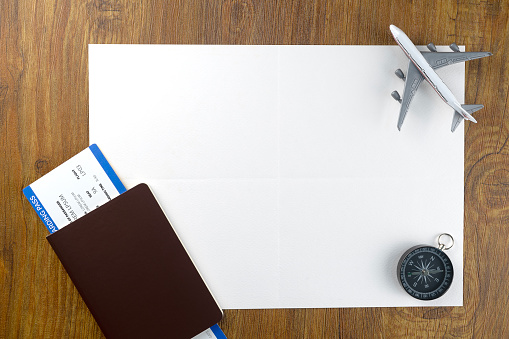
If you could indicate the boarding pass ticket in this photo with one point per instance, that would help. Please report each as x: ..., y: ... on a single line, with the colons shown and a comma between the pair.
x: 211, y: 333
x: 76, y: 187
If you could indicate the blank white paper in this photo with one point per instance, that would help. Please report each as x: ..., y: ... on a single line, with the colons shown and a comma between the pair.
x: 281, y: 167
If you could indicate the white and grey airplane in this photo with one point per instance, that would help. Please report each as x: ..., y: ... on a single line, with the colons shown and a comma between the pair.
x: 422, y: 65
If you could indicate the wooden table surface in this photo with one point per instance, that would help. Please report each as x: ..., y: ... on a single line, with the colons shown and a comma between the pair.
x: 44, y: 121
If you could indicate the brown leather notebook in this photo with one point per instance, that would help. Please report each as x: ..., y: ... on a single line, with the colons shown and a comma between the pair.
x: 133, y: 272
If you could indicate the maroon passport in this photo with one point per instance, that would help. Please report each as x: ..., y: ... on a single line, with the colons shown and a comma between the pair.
x: 132, y: 271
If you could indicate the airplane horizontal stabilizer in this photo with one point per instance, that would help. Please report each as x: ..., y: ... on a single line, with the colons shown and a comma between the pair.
x: 456, y: 119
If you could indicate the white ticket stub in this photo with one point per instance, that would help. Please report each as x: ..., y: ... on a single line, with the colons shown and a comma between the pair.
x: 78, y: 186
x: 211, y: 333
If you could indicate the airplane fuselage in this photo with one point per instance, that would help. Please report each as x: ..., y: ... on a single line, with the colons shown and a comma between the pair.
x: 427, y: 72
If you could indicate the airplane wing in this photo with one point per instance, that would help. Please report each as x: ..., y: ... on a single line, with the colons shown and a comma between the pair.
x: 412, y: 82
x: 441, y: 59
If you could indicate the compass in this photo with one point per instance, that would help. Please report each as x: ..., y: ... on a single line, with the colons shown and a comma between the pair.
x: 426, y: 272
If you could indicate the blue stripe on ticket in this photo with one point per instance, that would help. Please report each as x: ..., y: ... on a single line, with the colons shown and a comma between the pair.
x: 217, y: 332
x: 107, y: 168
x: 39, y: 208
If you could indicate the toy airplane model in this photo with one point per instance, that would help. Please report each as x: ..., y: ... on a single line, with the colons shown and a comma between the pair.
x: 422, y: 65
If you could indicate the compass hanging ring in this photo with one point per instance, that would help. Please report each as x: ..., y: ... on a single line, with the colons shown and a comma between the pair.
x: 441, y: 245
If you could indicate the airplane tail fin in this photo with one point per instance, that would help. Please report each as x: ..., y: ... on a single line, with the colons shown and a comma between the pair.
x: 457, y: 118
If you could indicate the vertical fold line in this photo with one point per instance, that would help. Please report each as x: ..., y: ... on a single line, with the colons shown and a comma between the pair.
x: 279, y: 170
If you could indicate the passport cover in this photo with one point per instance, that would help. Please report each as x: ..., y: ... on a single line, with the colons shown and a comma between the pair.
x: 133, y: 272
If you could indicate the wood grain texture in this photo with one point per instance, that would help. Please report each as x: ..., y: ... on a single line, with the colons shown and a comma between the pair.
x: 44, y: 121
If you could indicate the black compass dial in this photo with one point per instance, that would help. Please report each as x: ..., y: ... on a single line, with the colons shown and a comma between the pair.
x: 425, y: 272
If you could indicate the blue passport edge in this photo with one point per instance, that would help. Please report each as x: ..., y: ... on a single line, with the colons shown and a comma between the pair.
x: 107, y: 168
x: 217, y: 332
x: 39, y: 208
